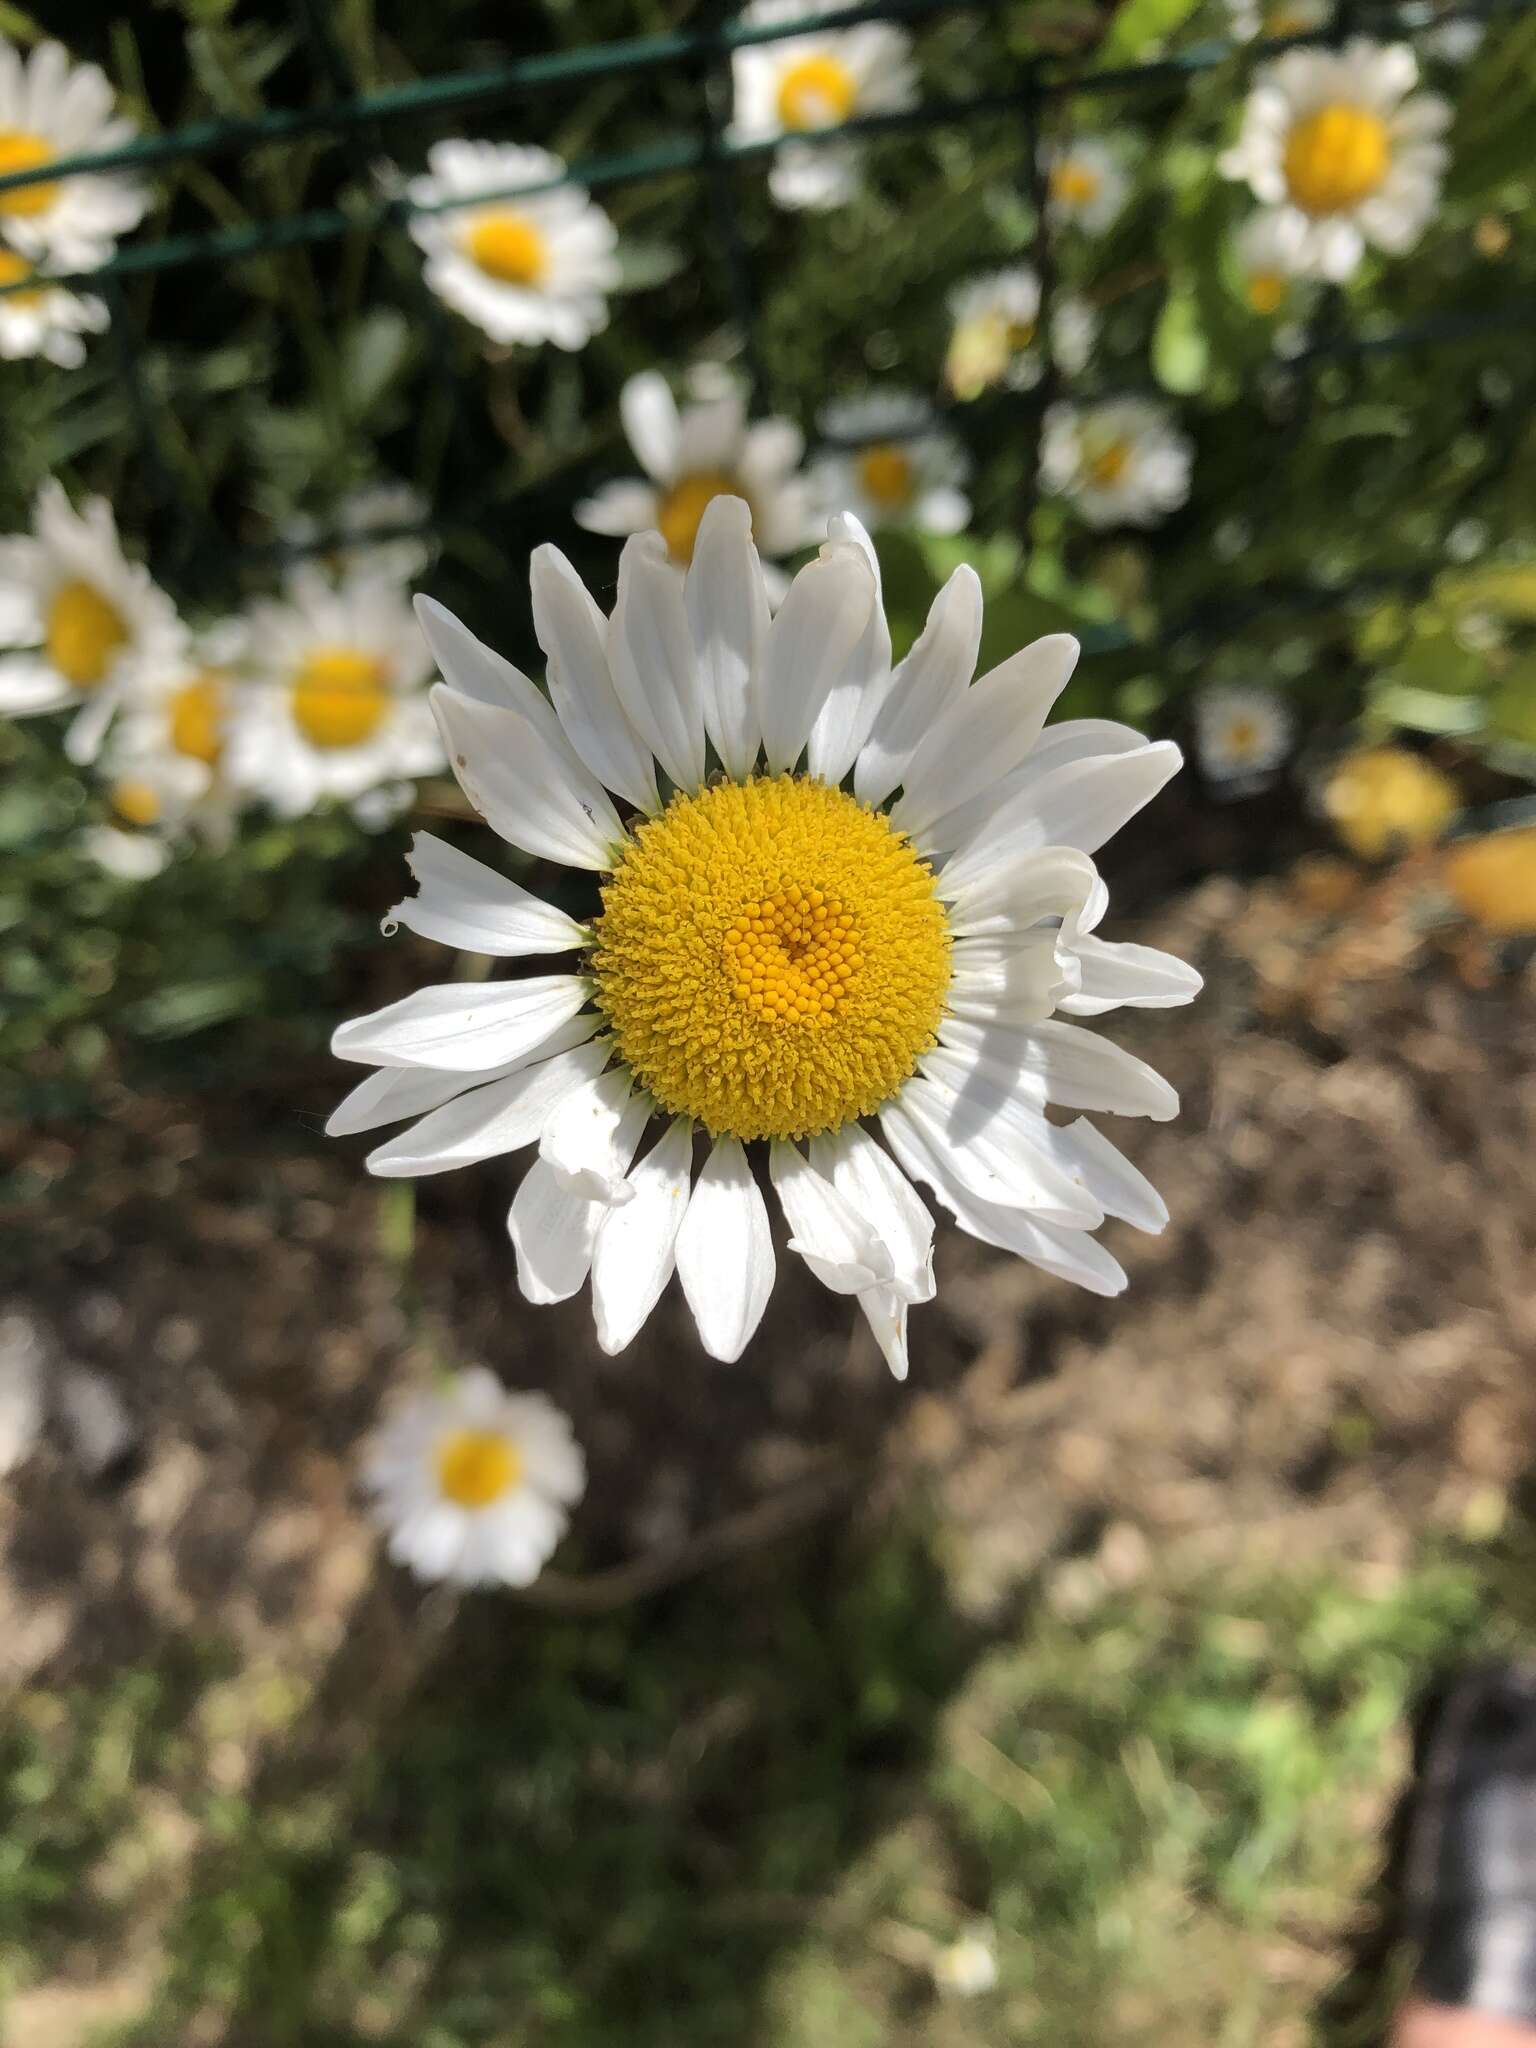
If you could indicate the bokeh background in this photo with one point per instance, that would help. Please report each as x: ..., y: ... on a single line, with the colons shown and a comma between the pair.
x: 1096, y: 1647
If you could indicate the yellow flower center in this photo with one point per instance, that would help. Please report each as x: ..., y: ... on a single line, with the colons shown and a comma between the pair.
x: 340, y: 695
x: 20, y: 150
x: 1021, y: 335
x: 1242, y: 738
x: 816, y: 92
x: 1494, y: 880
x: 197, y: 717
x: 1266, y: 291
x: 1075, y: 184
x: 683, y: 506
x: 1285, y: 21
x: 136, y: 803
x: 772, y: 958
x: 1386, y: 800
x: 12, y: 270
x: 83, y: 634
x: 1336, y: 157
x: 885, y: 471
x: 1107, y: 465
x: 475, y: 1467
x: 508, y: 247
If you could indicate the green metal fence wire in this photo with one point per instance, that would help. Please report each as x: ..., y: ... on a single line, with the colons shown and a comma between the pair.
x: 360, y: 123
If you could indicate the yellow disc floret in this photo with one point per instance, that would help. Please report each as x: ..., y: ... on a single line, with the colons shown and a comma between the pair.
x: 508, y: 247
x: 772, y: 958
x: 816, y: 91
x: 20, y: 150
x: 197, y: 718
x: 1266, y: 292
x: 340, y: 695
x: 13, y: 270
x: 684, y: 504
x: 1336, y: 158
x: 1105, y: 467
x: 475, y: 1467
x: 1074, y: 184
x: 83, y: 634
x: 885, y: 471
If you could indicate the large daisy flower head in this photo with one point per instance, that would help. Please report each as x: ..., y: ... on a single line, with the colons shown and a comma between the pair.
x: 51, y: 108
x: 799, y: 84
x: 332, y: 705
x: 1242, y: 734
x: 1341, y: 141
x: 1121, y: 462
x: 1086, y: 185
x: 39, y: 318
x: 996, y: 334
x: 893, y: 465
x: 835, y: 898
x: 475, y: 1484
x: 529, y: 266
x: 697, y: 452
x: 80, y: 625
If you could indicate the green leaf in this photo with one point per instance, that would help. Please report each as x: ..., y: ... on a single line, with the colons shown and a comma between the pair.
x: 1180, y: 355
x: 1140, y: 25
x: 376, y: 351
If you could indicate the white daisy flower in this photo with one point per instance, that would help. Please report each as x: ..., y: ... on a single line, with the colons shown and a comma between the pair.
x: 995, y: 339
x: 1086, y: 185
x: 1121, y: 462
x: 1341, y: 142
x: 896, y: 466
x: 526, y: 266
x: 163, y: 763
x: 776, y: 958
x: 967, y: 1967
x: 1274, y: 19
x: 703, y: 450
x: 803, y: 83
x: 333, y: 704
x: 51, y: 108
x: 474, y: 1484
x: 1270, y: 251
x: 369, y: 529
x: 43, y: 319
x: 80, y: 625
x: 1242, y: 734
x: 1453, y: 42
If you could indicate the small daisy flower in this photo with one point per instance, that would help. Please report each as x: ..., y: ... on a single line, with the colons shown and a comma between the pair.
x: 1270, y: 250
x: 43, y: 319
x: 784, y: 957
x: 475, y: 1484
x: 530, y: 266
x: 1242, y: 734
x: 51, y: 108
x: 1386, y: 801
x: 369, y: 529
x: 996, y: 333
x: 1086, y: 185
x: 1121, y: 463
x: 803, y: 83
x: 967, y: 1967
x: 895, y: 466
x: 80, y: 625
x: 333, y: 705
x: 162, y: 765
x: 696, y: 453
x: 1453, y: 42
x: 1274, y: 19
x: 1339, y: 140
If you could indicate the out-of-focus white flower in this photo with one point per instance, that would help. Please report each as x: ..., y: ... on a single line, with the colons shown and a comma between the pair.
x: 1453, y: 42
x: 474, y: 1484
x: 1344, y: 146
x: 703, y: 450
x: 43, y: 319
x: 80, y: 624
x: 369, y: 529
x: 778, y: 961
x: 23, y: 1364
x: 1270, y: 252
x: 995, y: 338
x: 51, y: 108
x: 333, y: 704
x: 1242, y: 734
x: 1086, y: 185
x: 967, y: 1968
x: 1120, y: 463
x: 895, y: 466
x: 799, y: 84
x: 163, y: 765
x: 1274, y: 19
x: 531, y: 266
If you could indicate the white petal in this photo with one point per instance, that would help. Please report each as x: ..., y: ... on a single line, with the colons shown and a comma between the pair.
x: 1021, y: 983
x: 1064, y: 1064
x: 537, y: 796
x: 865, y: 1174
x: 485, y: 1122
x: 728, y: 618
x: 1079, y: 806
x: 88, y: 728
x: 395, y: 1093
x: 1013, y: 891
x: 466, y: 1025
x: 811, y: 642
x: 989, y: 1135
x: 725, y: 1252
x: 1119, y: 1188
x: 475, y: 670
x: 573, y: 633
x: 985, y: 734
x: 635, y: 1252
x: 936, y: 670
x: 584, y: 1140
x: 1075, y: 739
x: 1139, y: 977
x: 651, y: 656
x: 463, y: 903
x: 649, y: 413
x: 29, y: 686
x: 552, y: 1234
x: 886, y: 1313
x: 826, y: 1230
x: 618, y: 509
x: 852, y: 704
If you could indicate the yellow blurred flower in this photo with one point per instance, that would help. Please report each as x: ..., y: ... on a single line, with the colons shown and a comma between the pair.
x: 1386, y: 800
x: 1494, y: 880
